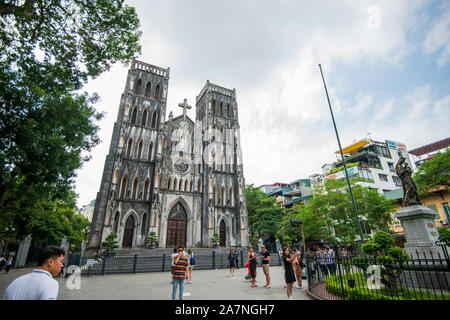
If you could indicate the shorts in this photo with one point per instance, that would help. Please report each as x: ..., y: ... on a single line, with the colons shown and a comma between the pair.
x: 265, y: 268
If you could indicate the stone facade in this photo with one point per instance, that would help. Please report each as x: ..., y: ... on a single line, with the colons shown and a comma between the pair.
x: 179, y: 178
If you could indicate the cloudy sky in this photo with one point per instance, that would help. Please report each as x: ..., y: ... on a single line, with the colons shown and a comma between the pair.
x: 386, y: 64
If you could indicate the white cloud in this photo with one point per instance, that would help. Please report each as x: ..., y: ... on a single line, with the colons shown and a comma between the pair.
x: 438, y: 37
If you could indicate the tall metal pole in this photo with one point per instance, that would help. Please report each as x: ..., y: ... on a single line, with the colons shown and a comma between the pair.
x: 343, y: 160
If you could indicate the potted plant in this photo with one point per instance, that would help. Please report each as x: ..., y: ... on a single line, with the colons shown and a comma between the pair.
x: 110, y: 244
x: 215, y: 240
x: 151, y: 239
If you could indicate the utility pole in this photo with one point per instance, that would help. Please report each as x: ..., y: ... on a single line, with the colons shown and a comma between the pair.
x: 343, y: 160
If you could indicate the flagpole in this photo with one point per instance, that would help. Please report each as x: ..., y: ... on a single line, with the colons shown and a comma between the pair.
x: 343, y: 160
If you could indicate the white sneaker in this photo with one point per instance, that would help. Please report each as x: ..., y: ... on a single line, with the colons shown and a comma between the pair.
x: 297, y: 286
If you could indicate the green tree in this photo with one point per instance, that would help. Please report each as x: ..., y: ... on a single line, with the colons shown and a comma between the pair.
x: 434, y: 174
x: 330, y: 215
x: 285, y: 231
x: 444, y: 234
x: 110, y: 244
x: 46, y: 124
x: 264, y: 216
x: 390, y: 258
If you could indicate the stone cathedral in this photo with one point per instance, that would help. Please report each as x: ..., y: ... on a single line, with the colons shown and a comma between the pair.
x: 179, y: 178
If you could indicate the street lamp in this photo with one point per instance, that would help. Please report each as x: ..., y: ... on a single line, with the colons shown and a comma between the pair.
x: 9, y: 229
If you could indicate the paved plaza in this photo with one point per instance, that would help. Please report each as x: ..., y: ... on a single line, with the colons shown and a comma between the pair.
x: 206, y: 285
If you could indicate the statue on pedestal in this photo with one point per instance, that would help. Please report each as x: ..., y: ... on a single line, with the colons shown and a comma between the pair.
x: 410, y: 196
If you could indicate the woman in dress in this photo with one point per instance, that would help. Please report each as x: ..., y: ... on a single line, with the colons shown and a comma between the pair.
x: 232, y: 260
x: 251, y: 258
x: 288, y: 272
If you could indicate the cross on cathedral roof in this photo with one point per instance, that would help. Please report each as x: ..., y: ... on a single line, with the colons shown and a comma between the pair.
x: 185, y: 106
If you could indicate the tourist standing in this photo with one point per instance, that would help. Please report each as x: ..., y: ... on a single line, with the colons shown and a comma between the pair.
x: 39, y: 284
x: 321, y: 257
x: 8, y: 264
x: 251, y: 258
x: 288, y: 272
x: 232, y: 262
x: 297, y: 263
x: 265, y: 258
x: 236, y: 254
x: 191, y: 265
x: 179, y: 273
x: 330, y: 260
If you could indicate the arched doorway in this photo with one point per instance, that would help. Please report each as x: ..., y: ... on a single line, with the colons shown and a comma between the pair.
x: 223, y: 234
x: 177, y: 226
x: 128, y: 233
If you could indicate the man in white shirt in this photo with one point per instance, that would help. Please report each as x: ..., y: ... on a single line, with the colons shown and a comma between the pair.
x: 39, y: 284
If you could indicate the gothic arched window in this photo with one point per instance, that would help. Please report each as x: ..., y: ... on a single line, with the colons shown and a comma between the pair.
x: 147, y: 89
x: 134, y: 116
x: 144, y: 118
x: 129, y: 147
x: 154, y: 116
x: 150, y: 150
x: 146, y: 190
x: 230, y: 197
x: 223, y: 194
x: 138, y: 89
x: 158, y: 92
x: 214, y: 106
x: 135, y: 189
x: 116, y: 222
x: 140, y: 150
x: 123, y: 187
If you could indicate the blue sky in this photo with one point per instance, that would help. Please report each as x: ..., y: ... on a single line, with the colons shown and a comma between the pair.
x: 386, y: 63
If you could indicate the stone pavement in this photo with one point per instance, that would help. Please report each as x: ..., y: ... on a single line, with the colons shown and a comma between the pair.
x: 206, y: 285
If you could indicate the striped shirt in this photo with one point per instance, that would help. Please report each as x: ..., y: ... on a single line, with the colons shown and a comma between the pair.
x: 180, y: 267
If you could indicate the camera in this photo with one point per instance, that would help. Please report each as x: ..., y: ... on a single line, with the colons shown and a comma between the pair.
x: 296, y: 223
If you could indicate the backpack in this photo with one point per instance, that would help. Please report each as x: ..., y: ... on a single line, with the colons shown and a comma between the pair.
x: 192, y: 261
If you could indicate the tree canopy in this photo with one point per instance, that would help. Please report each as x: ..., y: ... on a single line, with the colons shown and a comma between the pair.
x: 264, y: 216
x: 434, y: 174
x: 49, y: 50
x: 330, y: 215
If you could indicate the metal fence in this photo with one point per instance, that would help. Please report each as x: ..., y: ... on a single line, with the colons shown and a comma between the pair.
x: 367, y: 278
x: 92, y: 266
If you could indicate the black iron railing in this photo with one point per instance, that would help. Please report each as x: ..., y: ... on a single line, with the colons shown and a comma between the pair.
x: 92, y: 266
x: 367, y: 278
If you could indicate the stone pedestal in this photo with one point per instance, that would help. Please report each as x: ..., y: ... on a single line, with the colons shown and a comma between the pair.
x: 420, y: 232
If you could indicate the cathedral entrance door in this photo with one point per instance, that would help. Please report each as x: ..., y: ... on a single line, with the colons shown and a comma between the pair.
x: 128, y: 233
x: 177, y: 226
x: 223, y: 234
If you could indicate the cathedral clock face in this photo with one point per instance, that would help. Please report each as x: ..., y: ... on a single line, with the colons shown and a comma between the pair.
x: 181, y: 166
x: 184, y: 125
